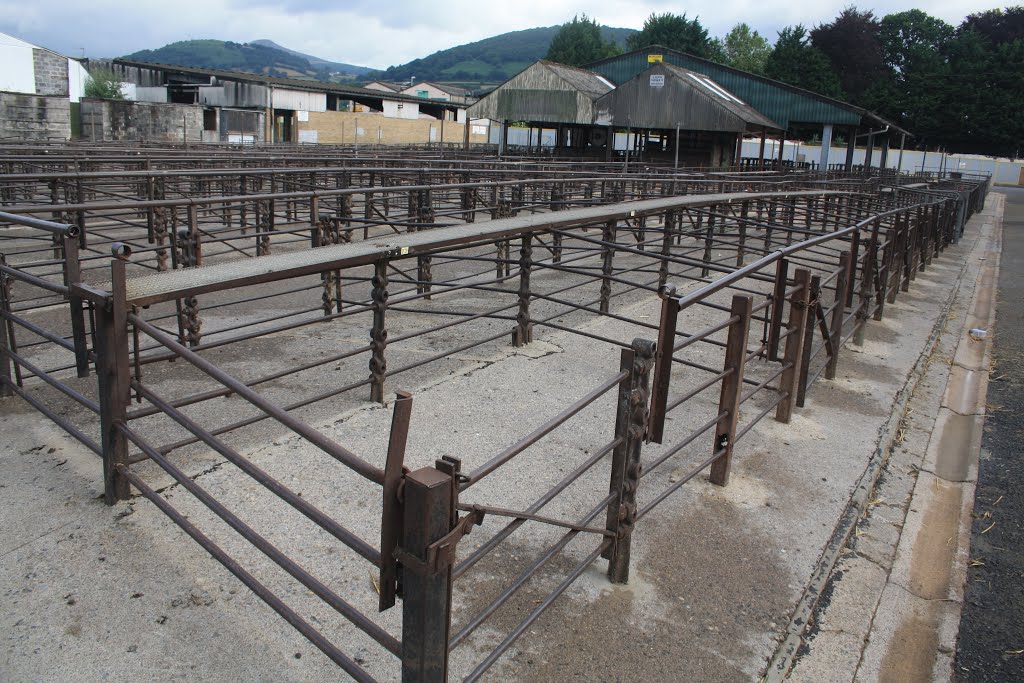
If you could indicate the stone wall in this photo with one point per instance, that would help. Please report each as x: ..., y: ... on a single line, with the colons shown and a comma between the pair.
x: 51, y: 72
x: 141, y: 121
x: 33, y: 118
x: 334, y: 127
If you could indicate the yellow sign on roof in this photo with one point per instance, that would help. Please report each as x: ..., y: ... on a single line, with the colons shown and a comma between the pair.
x: 652, y: 59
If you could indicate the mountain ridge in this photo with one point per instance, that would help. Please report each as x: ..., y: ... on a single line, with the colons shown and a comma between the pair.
x: 489, y: 60
x: 315, y: 61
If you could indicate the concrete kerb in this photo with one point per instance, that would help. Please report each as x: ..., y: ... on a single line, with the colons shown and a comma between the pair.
x: 971, y: 359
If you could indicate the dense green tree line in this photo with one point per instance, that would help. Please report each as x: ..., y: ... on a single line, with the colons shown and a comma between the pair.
x: 954, y: 87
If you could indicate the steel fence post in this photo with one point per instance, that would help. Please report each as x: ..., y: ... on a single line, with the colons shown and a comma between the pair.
x: 607, y: 265
x: 810, y: 322
x: 729, y: 398
x: 112, y: 374
x: 523, y: 333
x: 839, y: 312
x: 663, y: 362
x: 6, y: 375
x: 378, y: 333
x: 791, y: 360
x: 426, y: 578
x: 630, y: 422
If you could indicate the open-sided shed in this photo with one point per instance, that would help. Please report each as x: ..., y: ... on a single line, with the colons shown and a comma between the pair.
x: 789, y: 106
x: 546, y: 94
x: 683, y: 113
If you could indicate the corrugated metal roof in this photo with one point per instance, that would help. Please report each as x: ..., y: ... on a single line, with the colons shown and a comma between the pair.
x: 779, y: 101
x: 346, y: 91
x: 587, y: 82
x: 544, y: 91
x: 665, y: 96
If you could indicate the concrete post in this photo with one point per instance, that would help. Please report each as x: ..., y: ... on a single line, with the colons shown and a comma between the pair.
x: 826, y: 147
x: 851, y: 146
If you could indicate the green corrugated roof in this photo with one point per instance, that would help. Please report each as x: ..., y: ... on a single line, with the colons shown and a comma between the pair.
x: 778, y: 101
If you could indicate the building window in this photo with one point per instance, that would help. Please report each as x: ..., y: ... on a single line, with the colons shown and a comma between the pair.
x: 209, y: 119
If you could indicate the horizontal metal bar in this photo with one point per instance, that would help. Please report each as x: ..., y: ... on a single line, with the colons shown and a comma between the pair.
x: 253, y: 584
x: 542, y: 431
x: 335, y: 450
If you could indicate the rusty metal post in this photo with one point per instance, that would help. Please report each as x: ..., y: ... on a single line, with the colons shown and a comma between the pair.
x: 523, y: 333
x: 663, y: 362
x: 112, y: 374
x: 791, y: 360
x: 607, y: 265
x: 778, y: 303
x: 729, y: 398
x: 810, y: 322
x: 426, y: 585
x: 709, y: 243
x: 741, y: 253
x: 6, y: 366
x: 839, y: 312
x: 669, y: 225
x: 424, y: 218
x: 378, y: 333
x: 630, y: 421
x: 73, y: 276
x: 392, y: 508
x: 867, y: 284
x: 851, y: 272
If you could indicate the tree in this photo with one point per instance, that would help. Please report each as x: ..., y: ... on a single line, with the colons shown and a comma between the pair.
x: 103, y: 84
x: 984, y: 92
x: 579, y: 42
x: 795, y: 61
x: 745, y: 49
x: 853, y: 45
x: 673, y: 31
x: 998, y: 26
x: 915, y: 89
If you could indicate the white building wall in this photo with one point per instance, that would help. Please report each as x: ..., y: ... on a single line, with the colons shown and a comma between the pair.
x: 401, y: 110
x: 299, y: 100
x: 77, y: 78
x: 433, y: 92
x: 17, y: 70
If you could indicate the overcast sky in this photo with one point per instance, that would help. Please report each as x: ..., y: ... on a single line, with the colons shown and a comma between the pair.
x: 381, y: 33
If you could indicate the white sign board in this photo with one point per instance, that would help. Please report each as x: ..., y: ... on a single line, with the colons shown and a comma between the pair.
x: 308, y: 137
x: 303, y: 115
x: 657, y: 80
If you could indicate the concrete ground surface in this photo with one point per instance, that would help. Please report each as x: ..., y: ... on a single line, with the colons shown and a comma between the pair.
x: 991, y: 646
x: 719, y: 575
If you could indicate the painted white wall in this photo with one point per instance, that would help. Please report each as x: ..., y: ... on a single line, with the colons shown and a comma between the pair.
x: 433, y: 92
x: 401, y: 110
x: 1004, y: 170
x: 77, y: 78
x: 17, y: 71
x: 299, y: 100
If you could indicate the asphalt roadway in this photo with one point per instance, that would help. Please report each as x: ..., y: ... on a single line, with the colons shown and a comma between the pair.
x: 991, y: 646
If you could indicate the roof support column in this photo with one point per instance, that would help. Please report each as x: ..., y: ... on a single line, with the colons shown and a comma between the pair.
x: 826, y: 147
x: 782, y: 149
x: 503, y: 138
x: 870, y: 151
x: 851, y: 146
x: 760, y: 154
x: 675, y: 161
x: 883, y: 158
x: 899, y: 162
